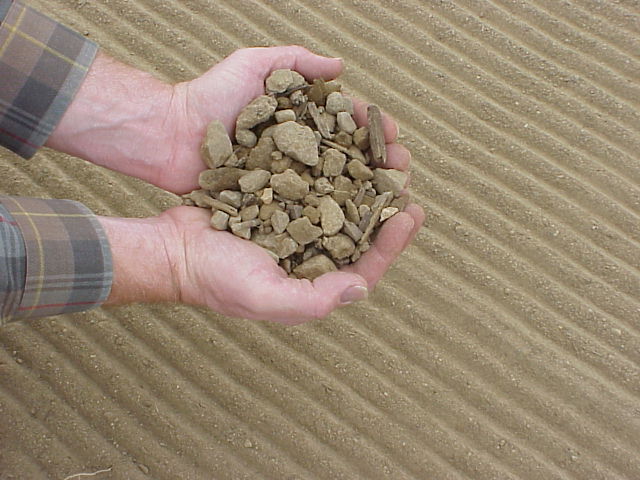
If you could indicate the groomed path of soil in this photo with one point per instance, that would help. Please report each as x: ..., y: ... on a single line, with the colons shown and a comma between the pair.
x: 504, y: 344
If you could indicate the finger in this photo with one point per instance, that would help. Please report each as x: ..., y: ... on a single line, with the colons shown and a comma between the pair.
x: 290, y: 301
x: 297, y: 58
x: 417, y: 213
x: 389, y: 125
x: 390, y: 242
x: 398, y: 157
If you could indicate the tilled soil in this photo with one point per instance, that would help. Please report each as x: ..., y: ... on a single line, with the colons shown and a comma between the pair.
x: 503, y: 344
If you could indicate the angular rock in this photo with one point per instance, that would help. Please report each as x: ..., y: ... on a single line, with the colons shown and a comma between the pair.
x: 312, y: 214
x: 376, y: 135
x: 320, y: 120
x: 297, y: 142
x: 389, y: 180
x: 323, y: 186
x: 216, y: 148
x: 303, y: 232
x: 387, y: 212
x: 222, y: 178
x: 246, y: 138
x: 380, y: 203
x: 346, y: 123
x: 258, y: 111
x: 289, y: 185
x: 220, y: 220
x: 201, y: 198
x: 334, y: 162
x: 336, y: 102
x: 279, y: 81
x: 359, y: 170
x: 279, y: 162
x: 285, y: 116
x: 249, y: 213
x: 361, y: 138
x: 266, y: 211
x: 339, y: 246
x: 279, y: 221
x: 267, y: 196
x: 331, y: 216
x: 343, y: 139
x: 351, y: 211
x: 314, y: 267
x: 254, y: 180
x: 243, y: 229
x: 352, y: 230
x: 280, y: 244
x: 294, y: 211
x: 260, y: 155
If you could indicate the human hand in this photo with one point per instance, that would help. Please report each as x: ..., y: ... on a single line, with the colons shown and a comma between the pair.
x: 186, y: 260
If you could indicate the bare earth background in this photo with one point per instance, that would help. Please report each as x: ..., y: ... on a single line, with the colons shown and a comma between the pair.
x: 504, y: 344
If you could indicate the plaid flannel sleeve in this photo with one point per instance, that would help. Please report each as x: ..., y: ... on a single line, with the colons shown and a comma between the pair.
x: 42, y: 65
x: 54, y: 258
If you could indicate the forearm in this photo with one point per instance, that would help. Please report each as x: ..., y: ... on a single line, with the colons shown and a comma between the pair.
x: 142, y: 270
x: 116, y: 115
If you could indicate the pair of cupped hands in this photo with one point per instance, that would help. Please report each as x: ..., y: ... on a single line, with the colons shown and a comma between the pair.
x: 129, y: 121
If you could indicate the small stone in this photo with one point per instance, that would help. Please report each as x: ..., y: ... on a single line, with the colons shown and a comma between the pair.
x: 307, y: 177
x: 285, y: 116
x: 331, y: 216
x: 284, y: 103
x: 361, y: 138
x: 246, y: 138
x: 339, y: 246
x: 266, y: 211
x: 289, y: 185
x: 389, y: 180
x: 280, y: 244
x: 380, y: 203
x: 279, y: 162
x: 302, y: 231
x: 387, y: 212
x: 343, y: 139
x: 220, y: 220
x: 235, y: 161
x: 323, y: 186
x: 222, y: 178
x: 279, y: 221
x: 294, y: 211
x: 312, y: 200
x: 314, y: 267
x: 336, y: 102
x: 143, y: 468
x: 376, y: 135
x: 298, y: 98
x: 297, y: 141
x: 258, y: 111
x: 312, y: 214
x: 351, y: 211
x: 255, y: 180
x: 243, y: 229
x: 249, y: 213
x: 267, y: 196
x: 352, y: 230
x: 216, y: 148
x: 334, y: 162
x: 201, y: 198
x: 359, y: 170
x: 279, y: 81
x: 355, y: 257
x: 260, y: 155
x: 346, y: 123
x: 355, y: 153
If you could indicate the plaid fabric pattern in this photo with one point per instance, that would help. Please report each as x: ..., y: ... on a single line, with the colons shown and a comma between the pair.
x: 68, y: 260
x: 42, y: 65
x: 13, y: 263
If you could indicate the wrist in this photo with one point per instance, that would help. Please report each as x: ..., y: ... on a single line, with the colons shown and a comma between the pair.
x: 143, y: 270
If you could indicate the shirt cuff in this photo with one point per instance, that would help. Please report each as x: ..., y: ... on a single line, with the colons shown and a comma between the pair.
x: 68, y: 259
x: 42, y: 65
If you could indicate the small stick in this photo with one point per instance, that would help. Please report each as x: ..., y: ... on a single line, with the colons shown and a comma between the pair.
x: 88, y: 474
x: 376, y: 135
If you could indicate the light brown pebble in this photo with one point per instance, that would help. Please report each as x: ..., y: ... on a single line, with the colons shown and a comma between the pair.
x: 294, y: 211
x: 289, y: 185
x: 387, y: 213
x: 279, y: 81
x: 331, y: 216
x: 231, y: 197
x: 343, y: 139
x: 336, y: 102
x: 346, y: 123
x: 254, y: 181
x: 279, y: 162
x: 312, y: 200
x: 220, y: 220
x: 243, y: 229
x: 279, y: 221
x: 266, y: 197
x: 323, y: 186
x: 359, y: 170
x: 389, y: 180
x: 312, y: 214
x: 257, y: 111
x: 260, y: 155
x: 246, y: 138
x: 361, y: 138
x: 334, y: 162
x: 339, y: 246
x: 285, y: 116
x: 216, y: 148
x: 297, y: 141
x: 249, y: 213
x: 223, y: 178
x: 314, y: 267
x: 351, y: 211
x: 352, y: 230
x: 267, y: 210
x: 302, y: 231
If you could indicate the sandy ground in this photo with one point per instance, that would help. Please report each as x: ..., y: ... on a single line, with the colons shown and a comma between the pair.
x: 505, y: 343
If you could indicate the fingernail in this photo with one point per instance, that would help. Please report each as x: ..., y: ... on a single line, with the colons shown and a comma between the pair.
x: 354, y: 294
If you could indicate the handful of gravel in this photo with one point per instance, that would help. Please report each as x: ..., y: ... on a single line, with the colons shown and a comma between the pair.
x: 303, y: 181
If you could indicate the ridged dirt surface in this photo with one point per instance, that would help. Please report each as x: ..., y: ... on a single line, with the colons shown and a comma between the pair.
x: 505, y: 342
